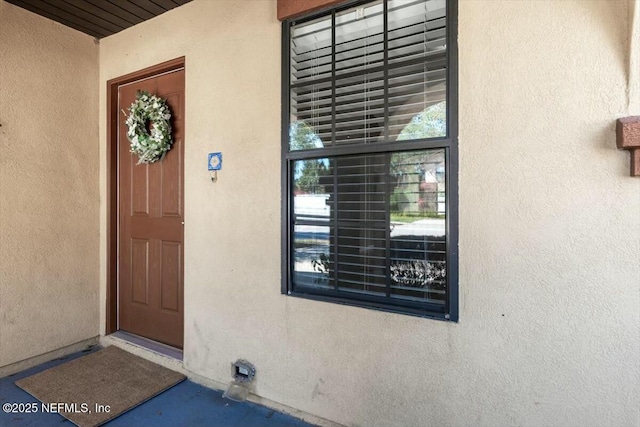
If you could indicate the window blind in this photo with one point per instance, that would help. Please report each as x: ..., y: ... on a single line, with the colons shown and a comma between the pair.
x: 349, y: 89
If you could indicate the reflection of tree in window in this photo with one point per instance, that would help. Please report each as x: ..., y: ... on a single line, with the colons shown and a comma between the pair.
x: 430, y: 123
x: 307, y: 174
x: 309, y: 180
x: 419, y: 176
x: 418, y: 185
x: 302, y: 137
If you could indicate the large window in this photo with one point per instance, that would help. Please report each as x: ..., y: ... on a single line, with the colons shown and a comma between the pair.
x: 370, y: 156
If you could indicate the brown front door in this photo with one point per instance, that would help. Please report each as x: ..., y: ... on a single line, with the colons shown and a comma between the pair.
x: 151, y: 223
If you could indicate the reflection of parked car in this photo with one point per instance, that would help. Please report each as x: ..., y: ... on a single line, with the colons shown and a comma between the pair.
x: 311, y: 206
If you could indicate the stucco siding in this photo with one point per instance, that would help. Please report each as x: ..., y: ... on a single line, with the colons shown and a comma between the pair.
x: 549, y: 330
x: 49, y: 197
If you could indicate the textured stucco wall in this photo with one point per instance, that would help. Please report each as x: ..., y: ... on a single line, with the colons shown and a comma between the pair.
x: 549, y: 227
x: 49, y: 194
x: 634, y: 57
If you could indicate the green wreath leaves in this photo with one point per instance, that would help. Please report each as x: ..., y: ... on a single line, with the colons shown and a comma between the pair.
x: 149, y: 146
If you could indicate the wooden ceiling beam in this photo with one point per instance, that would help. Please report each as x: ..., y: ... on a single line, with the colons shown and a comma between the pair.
x: 288, y: 9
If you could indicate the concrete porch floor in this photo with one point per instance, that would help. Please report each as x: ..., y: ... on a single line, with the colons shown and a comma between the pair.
x: 187, y: 404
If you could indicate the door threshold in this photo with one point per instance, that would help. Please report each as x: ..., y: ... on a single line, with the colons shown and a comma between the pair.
x: 148, y: 344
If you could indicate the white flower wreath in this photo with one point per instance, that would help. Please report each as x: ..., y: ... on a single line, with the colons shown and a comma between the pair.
x: 149, y: 146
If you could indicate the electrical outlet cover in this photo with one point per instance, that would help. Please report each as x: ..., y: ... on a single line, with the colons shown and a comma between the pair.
x: 237, y: 391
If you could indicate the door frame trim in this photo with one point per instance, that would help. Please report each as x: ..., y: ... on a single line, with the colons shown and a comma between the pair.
x: 112, y: 181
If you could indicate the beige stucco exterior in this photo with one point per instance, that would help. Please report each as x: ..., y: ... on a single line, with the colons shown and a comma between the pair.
x: 549, y: 330
x: 49, y: 197
x: 634, y: 57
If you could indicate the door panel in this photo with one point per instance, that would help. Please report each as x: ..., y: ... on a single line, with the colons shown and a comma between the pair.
x: 151, y: 227
x: 139, y: 191
x: 139, y: 270
x: 171, y: 269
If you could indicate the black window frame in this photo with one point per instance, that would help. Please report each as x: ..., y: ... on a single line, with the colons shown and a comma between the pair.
x: 448, y: 143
